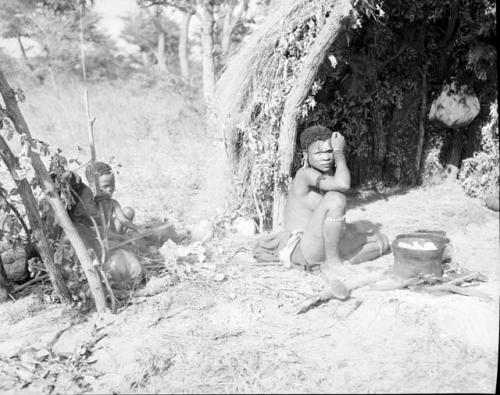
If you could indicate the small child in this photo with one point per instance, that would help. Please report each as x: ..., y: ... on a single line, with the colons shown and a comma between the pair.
x: 118, y: 219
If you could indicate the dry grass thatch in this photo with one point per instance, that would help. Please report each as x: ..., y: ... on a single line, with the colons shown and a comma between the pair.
x: 260, y: 67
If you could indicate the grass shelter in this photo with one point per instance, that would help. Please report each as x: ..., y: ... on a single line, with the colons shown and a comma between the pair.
x: 367, y: 68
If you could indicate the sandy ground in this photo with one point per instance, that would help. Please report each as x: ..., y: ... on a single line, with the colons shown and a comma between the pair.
x: 230, y: 326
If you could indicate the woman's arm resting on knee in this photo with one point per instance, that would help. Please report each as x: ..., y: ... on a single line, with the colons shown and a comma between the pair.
x: 124, y: 221
x: 340, y: 181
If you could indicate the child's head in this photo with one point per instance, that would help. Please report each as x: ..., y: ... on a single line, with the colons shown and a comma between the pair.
x: 107, y: 184
x: 106, y: 177
x: 316, y: 144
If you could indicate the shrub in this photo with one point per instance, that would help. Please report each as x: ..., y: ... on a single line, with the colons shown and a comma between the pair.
x: 479, y: 175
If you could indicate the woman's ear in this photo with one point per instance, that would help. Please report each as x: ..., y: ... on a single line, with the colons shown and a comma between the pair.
x: 305, y: 159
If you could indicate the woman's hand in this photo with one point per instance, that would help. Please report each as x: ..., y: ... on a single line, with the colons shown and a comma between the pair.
x: 338, y: 141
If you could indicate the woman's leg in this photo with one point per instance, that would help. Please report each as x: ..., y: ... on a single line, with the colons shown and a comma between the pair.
x: 130, y: 214
x: 320, y: 242
x: 359, y: 248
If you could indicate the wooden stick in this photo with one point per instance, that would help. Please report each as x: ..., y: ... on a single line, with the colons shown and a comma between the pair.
x: 264, y: 264
x: 103, y: 241
x: 90, y: 130
x: 30, y: 282
x: 325, y: 296
x: 135, y: 238
x: 421, y: 124
x: 18, y: 216
x: 103, y: 255
x: 475, y: 276
x: 450, y: 286
x: 456, y: 289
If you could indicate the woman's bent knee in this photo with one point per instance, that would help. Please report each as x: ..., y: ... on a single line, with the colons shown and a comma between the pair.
x: 385, y: 243
x: 335, y: 200
x: 129, y: 213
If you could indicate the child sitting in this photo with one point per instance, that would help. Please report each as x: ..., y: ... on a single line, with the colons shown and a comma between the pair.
x: 118, y: 220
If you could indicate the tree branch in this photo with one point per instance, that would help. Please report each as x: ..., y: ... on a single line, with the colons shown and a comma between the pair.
x: 185, y: 6
x: 18, y: 216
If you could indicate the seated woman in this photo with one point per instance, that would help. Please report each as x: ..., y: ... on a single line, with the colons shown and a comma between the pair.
x: 316, y: 236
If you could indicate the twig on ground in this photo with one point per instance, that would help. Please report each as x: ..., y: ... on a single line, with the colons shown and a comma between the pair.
x: 30, y: 282
x: 475, y: 276
x: 91, y: 344
x: 325, y: 296
x: 449, y: 286
x: 228, y: 334
x: 52, y: 343
x: 172, y: 314
x: 267, y: 264
x: 148, y: 233
x: 456, y: 289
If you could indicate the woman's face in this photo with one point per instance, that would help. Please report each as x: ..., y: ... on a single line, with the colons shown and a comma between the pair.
x: 320, y: 155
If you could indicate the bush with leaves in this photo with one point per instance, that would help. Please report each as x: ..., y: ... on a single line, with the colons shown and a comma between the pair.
x: 15, y: 231
x: 141, y: 29
x: 479, y: 175
x: 54, y: 26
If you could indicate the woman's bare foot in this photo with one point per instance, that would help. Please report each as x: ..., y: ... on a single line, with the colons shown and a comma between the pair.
x: 332, y: 273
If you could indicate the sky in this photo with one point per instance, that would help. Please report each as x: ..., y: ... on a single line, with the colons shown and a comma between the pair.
x: 112, y: 12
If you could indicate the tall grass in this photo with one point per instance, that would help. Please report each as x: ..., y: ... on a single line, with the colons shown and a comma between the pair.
x: 169, y: 161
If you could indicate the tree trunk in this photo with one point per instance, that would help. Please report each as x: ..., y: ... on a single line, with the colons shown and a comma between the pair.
x: 455, y: 158
x: 160, y: 41
x: 379, y: 131
x: 183, y: 45
x: 231, y: 18
x: 37, y: 227
x: 4, y: 284
x: 452, y: 23
x: 379, y: 143
x: 23, y: 52
x: 160, y: 52
x: 421, y: 125
x: 205, y: 13
x: 296, y: 97
x: 53, y: 198
x: 227, y: 28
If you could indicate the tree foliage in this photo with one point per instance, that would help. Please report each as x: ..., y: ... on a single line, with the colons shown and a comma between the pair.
x: 373, y: 97
x: 54, y: 26
x: 14, y: 219
x: 141, y: 30
x: 479, y: 174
